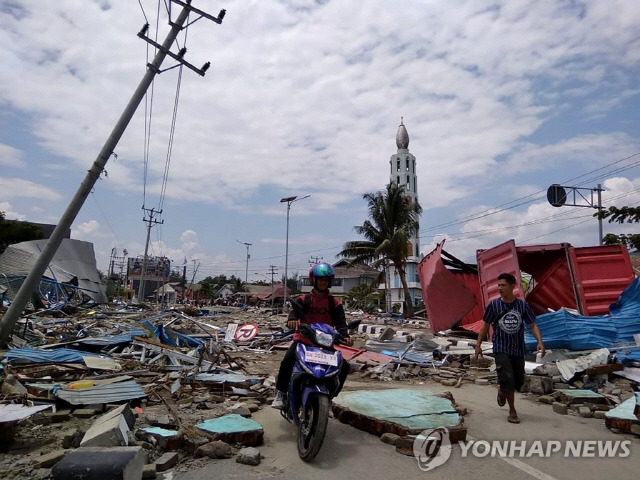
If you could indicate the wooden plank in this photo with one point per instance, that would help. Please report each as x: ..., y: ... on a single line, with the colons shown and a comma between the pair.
x: 608, y: 368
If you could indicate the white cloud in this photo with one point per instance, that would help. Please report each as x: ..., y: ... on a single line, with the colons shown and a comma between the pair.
x: 9, y: 213
x: 18, y: 187
x: 11, y: 157
x: 266, y: 115
x: 86, y: 229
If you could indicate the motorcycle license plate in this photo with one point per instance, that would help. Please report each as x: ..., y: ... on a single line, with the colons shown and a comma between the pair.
x: 321, y: 358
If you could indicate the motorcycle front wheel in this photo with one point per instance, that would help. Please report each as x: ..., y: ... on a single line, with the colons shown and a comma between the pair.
x: 313, y: 426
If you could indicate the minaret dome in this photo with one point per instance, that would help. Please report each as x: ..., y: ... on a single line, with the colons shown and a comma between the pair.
x: 402, y: 137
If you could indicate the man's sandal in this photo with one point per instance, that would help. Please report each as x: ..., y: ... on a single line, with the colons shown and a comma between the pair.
x: 501, y: 400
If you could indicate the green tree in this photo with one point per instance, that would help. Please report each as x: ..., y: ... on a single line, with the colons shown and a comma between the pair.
x: 364, y: 297
x: 393, y: 220
x: 13, y: 231
x: 621, y: 215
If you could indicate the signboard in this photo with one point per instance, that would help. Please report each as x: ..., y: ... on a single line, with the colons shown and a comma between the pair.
x: 556, y: 195
x: 246, y: 332
x: 231, y: 332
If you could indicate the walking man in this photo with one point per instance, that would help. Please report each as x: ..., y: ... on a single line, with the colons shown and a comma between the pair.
x: 507, y: 315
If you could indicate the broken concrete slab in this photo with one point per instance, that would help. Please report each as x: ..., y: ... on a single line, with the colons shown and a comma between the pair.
x: 116, y: 463
x: 107, y: 433
x: 623, y: 416
x: 399, y: 411
x: 50, y: 459
x: 560, y: 408
x: 390, y: 438
x: 166, y: 461
x: 11, y: 386
x: 233, y: 429
x: 123, y: 410
x: 569, y: 397
x: 164, y: 438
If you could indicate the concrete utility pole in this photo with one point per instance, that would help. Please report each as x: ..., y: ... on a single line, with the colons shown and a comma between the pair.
x: 315, y: 260
x: 272, y: 271
x: 149, y: 221
x: 246, y: 271
x: 35, y: 275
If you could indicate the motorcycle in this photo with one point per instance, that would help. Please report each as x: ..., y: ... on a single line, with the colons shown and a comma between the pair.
x: 313, y: 384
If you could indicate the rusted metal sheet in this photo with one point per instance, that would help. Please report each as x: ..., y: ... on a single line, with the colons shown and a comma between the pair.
x: 439, y: 287
x: 471, y: 281
x: 549, y: 265
x: 502, y: 258
x: 601, y: 274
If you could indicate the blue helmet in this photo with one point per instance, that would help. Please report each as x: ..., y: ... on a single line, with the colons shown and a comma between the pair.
x: 321, y: 270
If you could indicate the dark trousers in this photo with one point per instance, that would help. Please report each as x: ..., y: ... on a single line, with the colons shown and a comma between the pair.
x: 510, y: 371
x: 286, y: 369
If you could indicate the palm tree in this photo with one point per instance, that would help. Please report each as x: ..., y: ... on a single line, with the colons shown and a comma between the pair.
x: 393, y: 220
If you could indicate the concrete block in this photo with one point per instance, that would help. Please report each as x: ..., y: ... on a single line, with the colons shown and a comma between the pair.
x: 72, y: 438
x: 116, y: 463
x: 125, y: 411
x: 50, y: 459
x: 387, y: 334
x: 166, y: 461
x: 85, y: 413
x: 540, y: 385
x: 478, y: 381
x: 449, y: 382
x: 149, y: 471
x: 215, y: 449
x: 107, y: 433
x: 599, y: 414
x: 548, y: 399
x: 240, y: 410
x: 249, y: 456
x: 390, y: 438
x: 560, y: 408
x: 585, y: 412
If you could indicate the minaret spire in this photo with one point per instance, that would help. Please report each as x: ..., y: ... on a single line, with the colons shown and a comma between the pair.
x: 402, y: 137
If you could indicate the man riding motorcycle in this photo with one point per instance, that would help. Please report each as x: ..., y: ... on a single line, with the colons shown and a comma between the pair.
x: 319, y: 306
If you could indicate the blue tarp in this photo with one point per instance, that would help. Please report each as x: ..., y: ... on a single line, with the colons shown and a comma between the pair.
x: 172, y: 338
x: 33, y: 355
x: 562, y: 329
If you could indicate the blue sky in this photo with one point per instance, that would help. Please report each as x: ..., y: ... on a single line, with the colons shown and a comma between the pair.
x: 500, y: 99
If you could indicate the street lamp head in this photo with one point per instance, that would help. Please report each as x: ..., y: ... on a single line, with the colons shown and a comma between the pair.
x: 288, y: 199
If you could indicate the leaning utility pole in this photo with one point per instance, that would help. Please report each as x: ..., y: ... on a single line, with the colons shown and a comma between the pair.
x: 35, y: 275
x: 149, y: 221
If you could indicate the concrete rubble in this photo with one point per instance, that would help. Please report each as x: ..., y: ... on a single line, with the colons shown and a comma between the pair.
x: 173, y: 388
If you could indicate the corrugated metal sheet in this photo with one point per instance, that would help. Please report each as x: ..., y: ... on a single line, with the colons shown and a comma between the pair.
x: 107, y: 393
x: 601, y: 274
x: 14, y: 413
x: 113, y: 340
x: 33, y: 355
x: 502, y: 258
x: 563, y: 329
x: 471, y: 281
x: 439, y: 287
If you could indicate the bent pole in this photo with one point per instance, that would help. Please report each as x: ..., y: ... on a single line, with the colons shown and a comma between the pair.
x: 26, y: 290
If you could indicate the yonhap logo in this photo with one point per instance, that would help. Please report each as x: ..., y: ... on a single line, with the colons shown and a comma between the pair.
x: 432, y: 448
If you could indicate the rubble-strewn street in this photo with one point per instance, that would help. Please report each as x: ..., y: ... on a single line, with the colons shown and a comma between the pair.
x: 181, y: 392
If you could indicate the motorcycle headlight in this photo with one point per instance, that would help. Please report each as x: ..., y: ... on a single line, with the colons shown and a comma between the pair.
x: 324, y: 339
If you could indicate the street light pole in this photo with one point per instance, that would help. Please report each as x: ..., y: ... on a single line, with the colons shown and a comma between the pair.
x: 246, y: 271
x: 288, y: 201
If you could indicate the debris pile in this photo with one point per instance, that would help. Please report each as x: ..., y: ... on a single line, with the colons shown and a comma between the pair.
x: 150, y: 388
